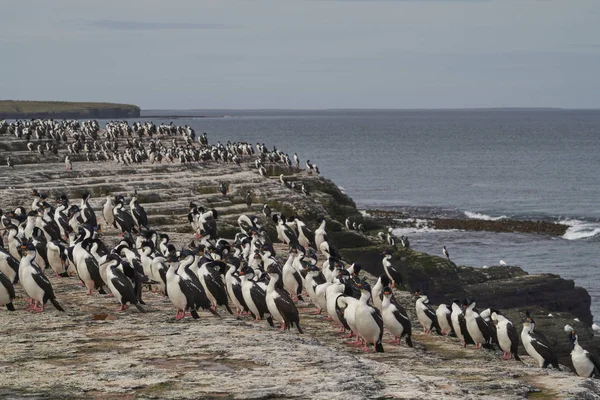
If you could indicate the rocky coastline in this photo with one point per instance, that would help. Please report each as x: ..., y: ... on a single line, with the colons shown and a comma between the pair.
x: 398, y: 219
x: 99, y: 353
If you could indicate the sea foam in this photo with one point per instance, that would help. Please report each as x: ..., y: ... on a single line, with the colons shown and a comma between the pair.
x: 484, y: 217
x: 580, y: 229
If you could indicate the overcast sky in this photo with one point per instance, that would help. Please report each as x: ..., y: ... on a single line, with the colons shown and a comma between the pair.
x: 303, y: 53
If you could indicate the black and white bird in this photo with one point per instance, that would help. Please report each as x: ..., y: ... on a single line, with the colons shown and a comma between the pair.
x: 123, y: 219
x: 445, y: 251
x: 34, y: 282
x: 223, y: 188
x: 7, y: 292
x: 391, y: 270
x: 234, y: 289
x: 249, y: 199
x: 538, y: 347
x: 459, y: 323
x: 426, y: 314
x: 138, y: 213
x: 254, y: 295
x: 477, y: 327
x: 444, y: 317
x: 107, y: 211
x: 180, y: 291
x: 279, y: 303
x: 119, y: 284
x: 87, y: 212
x: 9, y: 265
x: 368, y: 320
x: 395, y: 318
x: 587, y: 365
x: 508, y: 337
x: 266, y: 211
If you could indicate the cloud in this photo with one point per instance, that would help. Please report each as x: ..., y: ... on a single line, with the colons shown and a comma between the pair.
x: 153, y: 26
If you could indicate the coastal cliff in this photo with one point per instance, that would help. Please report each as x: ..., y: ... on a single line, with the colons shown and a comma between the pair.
x: 103, y: 354
x: 11, y: 109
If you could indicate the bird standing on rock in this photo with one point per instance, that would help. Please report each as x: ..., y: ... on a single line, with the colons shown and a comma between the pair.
x: 249, y: 199
x: 35, y: 283
x: 445, y: 251
x: 586, y: 365
x: 223, y: 188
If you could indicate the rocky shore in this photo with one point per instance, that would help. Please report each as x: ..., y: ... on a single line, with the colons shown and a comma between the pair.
x: 402, y: 220
x: 94, y: 352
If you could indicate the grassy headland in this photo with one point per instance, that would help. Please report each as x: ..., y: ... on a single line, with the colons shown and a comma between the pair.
x: 62, y: 109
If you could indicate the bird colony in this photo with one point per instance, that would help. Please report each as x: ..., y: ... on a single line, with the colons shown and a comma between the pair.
x: 56, y: 237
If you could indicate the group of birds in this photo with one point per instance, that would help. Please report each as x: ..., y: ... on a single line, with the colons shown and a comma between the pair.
x: 75, y: 141
x: 244, y: 273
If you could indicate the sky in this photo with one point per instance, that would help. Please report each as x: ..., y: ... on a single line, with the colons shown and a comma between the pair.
x: 303, y: 54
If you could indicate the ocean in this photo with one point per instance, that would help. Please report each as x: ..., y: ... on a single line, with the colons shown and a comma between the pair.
x: 532, y: 164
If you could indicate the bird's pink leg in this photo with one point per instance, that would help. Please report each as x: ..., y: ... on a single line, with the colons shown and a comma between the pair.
x: 37, y: 308
x: 282, y: 327
x: 179, y: 315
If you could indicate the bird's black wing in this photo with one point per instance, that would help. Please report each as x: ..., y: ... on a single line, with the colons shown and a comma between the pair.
x: 310, y: 235
x: 12, y: 263
x: 340, y: 314
x: 94, y: 270
x: 42, y: 281
x: 462, y: 322
x: 237, y: 292
x: 596, y: 361
x: 543, y: 347
x: 258, y: 297
x: 484, y: 328
x: 124, y: 286
x: 514, y: 340
x: 286, y: 306
x: 376, y: 314
x: 4, y: 281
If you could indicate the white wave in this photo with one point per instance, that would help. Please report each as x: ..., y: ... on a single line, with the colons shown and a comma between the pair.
x: 484, y: 217
x: 580, y: 229
x: 418, y: 229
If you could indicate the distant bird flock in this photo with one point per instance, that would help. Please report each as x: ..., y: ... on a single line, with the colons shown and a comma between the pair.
x: 243, y: 275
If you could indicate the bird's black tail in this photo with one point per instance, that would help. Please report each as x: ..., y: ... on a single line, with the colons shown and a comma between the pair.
x: 10, y: 307
x: 300, y: 298
x: 409, y: 342
x: 379, y: 347
x: 213, y: 312
x: 516, y: 356
x: 488, y: 346
x: 56, y: 305
x: 270, y: 321
x: 228, y: 309
x: 194, y: 314
x: 140, y: 308
x: 299, y: 329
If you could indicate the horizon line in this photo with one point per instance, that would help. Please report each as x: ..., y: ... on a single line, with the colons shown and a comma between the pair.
x: 373, y: 109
